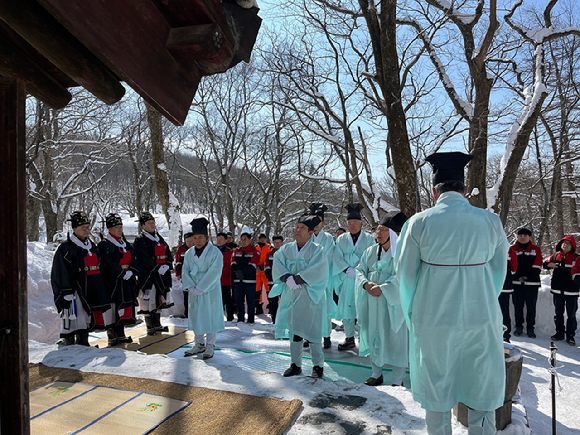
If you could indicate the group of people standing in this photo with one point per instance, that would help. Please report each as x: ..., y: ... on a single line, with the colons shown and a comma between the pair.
x: 424, y: 291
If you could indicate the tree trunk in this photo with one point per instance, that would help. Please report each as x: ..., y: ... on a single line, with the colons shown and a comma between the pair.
x: 32, y: 218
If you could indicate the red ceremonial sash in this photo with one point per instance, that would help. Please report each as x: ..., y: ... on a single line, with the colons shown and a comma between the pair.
x: 92, y: 264
x: 125, y: 260
x: 160, y: 253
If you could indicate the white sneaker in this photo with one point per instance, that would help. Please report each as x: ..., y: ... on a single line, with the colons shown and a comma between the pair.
x: 209, y: 351
x: 198, y: 348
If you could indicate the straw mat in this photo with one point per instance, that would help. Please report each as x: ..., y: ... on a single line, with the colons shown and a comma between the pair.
x: 160, y: 343
x: 212, y: 412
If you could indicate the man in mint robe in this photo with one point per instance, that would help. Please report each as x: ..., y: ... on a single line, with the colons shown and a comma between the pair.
x: 382, y: 329
x: 201, y: 276
x: 348, y: 251
x: 300, y: 274
x: 322, y: 238
x: 451, y: 263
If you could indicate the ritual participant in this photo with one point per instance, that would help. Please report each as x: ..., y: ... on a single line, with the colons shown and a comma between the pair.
x: 451, y: 263
x: 77, y: 285
x: 300, y: 275
x: 526, y: 282
x: 154, y: 261
x: 382, y: 329
x: 202, y: 271
x: 119, y: 275
x: 188, y: 243
x: 347, y: 253
x: 506, y: 291
x: 277, y: 242
x: 322, y: 238
x: 564, y: 288
x: 263, y: 248
x: 244, y: 261
x: 339, y: 232
x: 226, y: 279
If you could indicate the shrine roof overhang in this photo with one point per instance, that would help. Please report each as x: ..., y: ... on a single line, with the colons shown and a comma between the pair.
x: 160, y: 48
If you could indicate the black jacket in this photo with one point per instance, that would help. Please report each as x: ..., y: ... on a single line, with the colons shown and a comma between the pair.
x: 122, y: 293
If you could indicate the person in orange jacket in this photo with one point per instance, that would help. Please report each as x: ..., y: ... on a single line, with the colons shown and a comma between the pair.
x: 263, y: 249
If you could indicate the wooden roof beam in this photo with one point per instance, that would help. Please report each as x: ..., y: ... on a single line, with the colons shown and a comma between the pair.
x: 41, y: 30
x: 14, y: 63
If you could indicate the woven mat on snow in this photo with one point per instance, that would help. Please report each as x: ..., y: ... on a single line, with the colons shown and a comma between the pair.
x: 160, y: 343
x: 212, y: 412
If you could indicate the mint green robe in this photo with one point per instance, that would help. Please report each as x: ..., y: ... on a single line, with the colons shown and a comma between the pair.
x: 451, y: 263
x: 300, y: 312
x: 327, y: 242
x: 206, y: 312
x: 346, y: 254
x: 382, y: 329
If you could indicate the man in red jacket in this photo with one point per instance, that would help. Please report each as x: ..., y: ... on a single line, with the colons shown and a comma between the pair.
x: 244, y: 261
x: 188, y: 237
x: 226, y: 281
x: 526, y: 282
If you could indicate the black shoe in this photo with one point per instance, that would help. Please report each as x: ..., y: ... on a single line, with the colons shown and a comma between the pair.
x: 373, y: 382
x: 327, y: 343
x: 348, y: 343
x: 112, y: 337
x: 292, y: 371
x: 124, y: 339
x: 571, y: 341
x: 317, y: 372
x: 306, y: 344
x: 557, y: 336
x: 531, y: 333
x: 519, y: 331
x: 506, y: 337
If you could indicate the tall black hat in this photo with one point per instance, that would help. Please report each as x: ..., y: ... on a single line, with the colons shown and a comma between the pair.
x: 199, y: 226
x: 78, y: 218
x: 145, y: 216
x: 353, y: 211
x: 394, y: 220
x: 113, y: 219
x: 448, y: 166
x: 309, y: 220
x: 318, y: 209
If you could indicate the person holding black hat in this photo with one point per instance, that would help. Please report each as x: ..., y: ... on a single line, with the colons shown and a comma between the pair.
x: 301, y: 275
x: 188, y: 243
x: 451, y: 263
x: 382, y: 329
x: 202, y: 271
x: 154, y: 261
x: 347, y: 254
x: 244, y: 261
x: 526, y: 282
x: 322, y: 238
x: 119, y: 275
x: 77, y: 284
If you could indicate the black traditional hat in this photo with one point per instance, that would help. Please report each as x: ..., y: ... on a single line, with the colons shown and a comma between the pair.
x: 78, y: 218
x: 525, y: 231
x: 394, y: 220
x: 448, y: 166
x: 199, y: 226
x: 112, y: 220
x: 145, y: 216
x: 318, y: 209
x: 309, y: 220
x: 353, y: 211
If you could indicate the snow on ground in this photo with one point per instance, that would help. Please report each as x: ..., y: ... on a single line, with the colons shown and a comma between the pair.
x: 329, y: 407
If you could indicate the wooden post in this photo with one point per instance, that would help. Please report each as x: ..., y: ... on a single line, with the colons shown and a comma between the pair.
x: 14, y: 405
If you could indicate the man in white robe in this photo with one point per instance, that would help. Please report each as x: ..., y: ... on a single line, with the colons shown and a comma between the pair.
x: 451, y: 263
x: 201, y: 276
x: 300, y: 274
x: 382, y: 329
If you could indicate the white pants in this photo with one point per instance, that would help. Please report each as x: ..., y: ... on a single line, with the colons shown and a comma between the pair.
x: 398, y: 373
x: 480, y: 422
x: 206, y: 338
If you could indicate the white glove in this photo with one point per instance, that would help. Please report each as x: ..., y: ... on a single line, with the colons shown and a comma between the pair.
x: 292, y: 284
x: 128, y: 275
x: 163, y: 269
x: 351, y: 272
x: 194, y: 291
x: 68, y: 297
